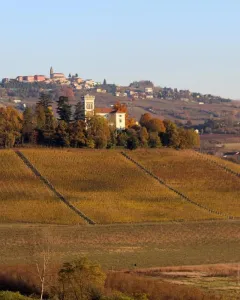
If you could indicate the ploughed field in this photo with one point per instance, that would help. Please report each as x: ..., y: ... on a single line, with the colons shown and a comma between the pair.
x: 108, y: 188
x: 196, y: 176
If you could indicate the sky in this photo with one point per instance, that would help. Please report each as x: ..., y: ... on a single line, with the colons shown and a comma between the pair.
x: 184, y: 44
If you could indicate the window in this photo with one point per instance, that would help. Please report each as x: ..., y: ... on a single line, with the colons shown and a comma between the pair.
x: 120, y: 121
x: 89, y: 106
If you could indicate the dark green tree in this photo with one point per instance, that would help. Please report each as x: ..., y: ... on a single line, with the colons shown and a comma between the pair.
x: 45, y: 100
x: 104, y: 82
x: 28, y: 126
x: 154, y: 140
x: 132, y: 141
x: 61, y: 136
x: 79, y: 111
x: 64, y: 109
x: 78, y: 134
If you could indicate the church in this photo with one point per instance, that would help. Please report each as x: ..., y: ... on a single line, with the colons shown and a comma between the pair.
x: 115, y: 117
x: 56, y: 75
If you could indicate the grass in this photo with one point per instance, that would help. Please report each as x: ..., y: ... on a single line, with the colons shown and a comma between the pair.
x: 110, y: 189
x: 24, y: 198
x: 124, y: 245
x: 195, y: 177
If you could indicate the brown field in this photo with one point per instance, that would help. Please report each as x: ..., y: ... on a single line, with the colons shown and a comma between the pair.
x: 195, y: 177
x: 108, y: 188
x: 24, y: 198
x: 122, y: 246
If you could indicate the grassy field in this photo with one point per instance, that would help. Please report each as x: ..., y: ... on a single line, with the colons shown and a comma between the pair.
x: 195, y: 177
x: 110, y: 189
x: 24, y: 198
x: 124, y: 245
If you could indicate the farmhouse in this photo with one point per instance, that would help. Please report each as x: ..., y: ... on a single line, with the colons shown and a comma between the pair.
x: 115, y: 117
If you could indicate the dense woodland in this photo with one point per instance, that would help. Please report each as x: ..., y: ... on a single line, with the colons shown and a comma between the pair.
x: 39, y: 126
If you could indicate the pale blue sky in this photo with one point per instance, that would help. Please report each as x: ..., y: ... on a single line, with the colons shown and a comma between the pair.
x: 190, y: 44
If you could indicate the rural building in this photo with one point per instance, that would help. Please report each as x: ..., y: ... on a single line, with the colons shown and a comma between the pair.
x: 5, y: 80
x: 39, y: 78
x: 148, y: 90
x: 115, y: 118
x: 28, y: 78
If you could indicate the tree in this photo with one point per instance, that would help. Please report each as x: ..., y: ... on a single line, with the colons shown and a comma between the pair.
x: 104, y: 82
x: 143, y: 136
x: 40, y: 116
x: 188, y: 138
x: 79, y: 111
x: 171, y: 136
x: 122, y: 139
x: 28, y: 125
x: 79, y: 279
x: 145, y: 118
x: 10, y: 126
x: 44, y: 100
x: 64, y: 109
x: 98, y: 130
x: 77, y: 132
x: 61, y: 136
x: 154, y: 140
x: 132, y: 141
x: 155, y: 125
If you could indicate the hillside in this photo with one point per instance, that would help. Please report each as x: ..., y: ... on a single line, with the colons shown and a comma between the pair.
x: 108, y: 187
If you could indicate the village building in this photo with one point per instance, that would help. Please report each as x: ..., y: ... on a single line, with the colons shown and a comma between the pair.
x: 39, y: 78
x: 114, y: 117
x: 56, y: 76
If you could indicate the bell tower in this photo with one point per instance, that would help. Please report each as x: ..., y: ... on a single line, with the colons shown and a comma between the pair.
x: 88, y: 105
x: 51, y: 72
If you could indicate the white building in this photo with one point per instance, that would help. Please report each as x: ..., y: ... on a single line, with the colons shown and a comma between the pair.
x: 148, y: 90
x: 115, y: 118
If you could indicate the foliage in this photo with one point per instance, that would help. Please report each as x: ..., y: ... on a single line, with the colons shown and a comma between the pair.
x: 10, y: 127
x: 12, y: 296
x: 64, y: 109
x: 98, y: 131
x: 79, y: 279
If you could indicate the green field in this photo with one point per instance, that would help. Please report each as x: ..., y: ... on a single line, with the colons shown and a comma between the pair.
x: 122, y: 246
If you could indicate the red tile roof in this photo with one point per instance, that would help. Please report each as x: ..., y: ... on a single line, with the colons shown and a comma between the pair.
x: 104, y: 110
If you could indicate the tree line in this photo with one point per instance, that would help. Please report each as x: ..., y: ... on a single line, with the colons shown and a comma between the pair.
x: 39, y: 126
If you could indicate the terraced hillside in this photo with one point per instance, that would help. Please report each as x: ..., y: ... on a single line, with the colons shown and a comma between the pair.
x: 196, y: 177
x: 108, y: 188
x: 24, y: 198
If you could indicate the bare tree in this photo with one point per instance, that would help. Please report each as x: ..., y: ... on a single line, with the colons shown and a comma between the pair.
x: 40, y: 251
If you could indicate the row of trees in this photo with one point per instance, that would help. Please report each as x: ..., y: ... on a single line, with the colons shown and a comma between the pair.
x: 39, y: 126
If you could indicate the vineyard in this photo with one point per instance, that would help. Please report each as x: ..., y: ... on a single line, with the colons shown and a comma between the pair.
x: 108, y: 188
x: 24, y: 198
x: 196, y: 176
